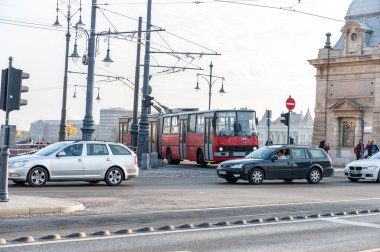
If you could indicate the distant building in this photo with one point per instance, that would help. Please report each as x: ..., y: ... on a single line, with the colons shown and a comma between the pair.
x: 108, y: 123
x: 48, y: 130
x: 301, y: 129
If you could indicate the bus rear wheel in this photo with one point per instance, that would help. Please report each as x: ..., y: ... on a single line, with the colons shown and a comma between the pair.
x: 201, y: 159
x: 170, y: 159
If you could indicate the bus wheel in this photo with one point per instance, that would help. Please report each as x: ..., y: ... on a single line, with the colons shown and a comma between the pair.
x: 170, y: 159
x: 201, y: 159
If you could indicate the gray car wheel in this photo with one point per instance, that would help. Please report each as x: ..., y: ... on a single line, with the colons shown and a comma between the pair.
x: 314, y: 176
x: 256, y: 176
x: 37, y: 177
x: 114, y: 176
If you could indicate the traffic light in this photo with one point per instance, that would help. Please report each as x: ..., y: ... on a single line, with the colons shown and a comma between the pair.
x: 286, y: 118
x: 148, y: 101
x: 13, y: 89
x: 291, y: 140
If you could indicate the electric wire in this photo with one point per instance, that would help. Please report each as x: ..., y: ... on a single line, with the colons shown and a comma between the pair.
x: 279, y: 8
x: 109, y: 21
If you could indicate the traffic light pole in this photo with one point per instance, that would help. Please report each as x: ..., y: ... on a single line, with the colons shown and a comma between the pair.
x: 135, y: 125
x: 4, y: 196
x: 143, y: 136
x: 288, y: 142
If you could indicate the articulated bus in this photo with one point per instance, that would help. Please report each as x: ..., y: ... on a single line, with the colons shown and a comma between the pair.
x: 202, y: 136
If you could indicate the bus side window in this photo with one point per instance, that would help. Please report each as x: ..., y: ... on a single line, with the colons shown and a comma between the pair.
x: 192, y: 123
x: 174, y: 126
x: 166, y: 128
x: 200, y: 124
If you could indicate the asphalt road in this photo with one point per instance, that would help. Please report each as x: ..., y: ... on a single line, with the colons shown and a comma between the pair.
x: 359, y: 233
x: 184, y: 195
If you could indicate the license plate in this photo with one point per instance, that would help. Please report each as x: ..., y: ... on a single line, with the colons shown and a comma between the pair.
x: 355, y: 172
x: 222, y: 172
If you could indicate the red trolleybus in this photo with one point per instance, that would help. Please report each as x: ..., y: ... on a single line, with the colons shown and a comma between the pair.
x: 201, y: 136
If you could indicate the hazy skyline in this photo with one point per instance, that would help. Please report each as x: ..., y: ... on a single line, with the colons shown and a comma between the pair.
x: 264, y: 54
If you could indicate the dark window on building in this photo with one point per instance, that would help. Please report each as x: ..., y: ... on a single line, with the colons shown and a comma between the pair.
x: 348, y: 133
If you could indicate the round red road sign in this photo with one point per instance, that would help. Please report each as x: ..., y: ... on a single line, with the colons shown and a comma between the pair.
x: 290, y: 103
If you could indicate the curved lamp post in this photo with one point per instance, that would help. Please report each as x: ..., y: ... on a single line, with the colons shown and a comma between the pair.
x: 68, y: 16
x: 210, y: 83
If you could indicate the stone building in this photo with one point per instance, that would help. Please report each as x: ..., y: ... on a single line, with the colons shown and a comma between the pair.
x: 48, y: 130
x: 108, y: 123
x: 301, y: 129
x: 347, y: 106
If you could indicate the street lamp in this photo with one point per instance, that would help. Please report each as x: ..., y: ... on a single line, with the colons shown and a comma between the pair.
x: 78, y: 34
x: 210, y: 84
x: 68, y: 16
x: 98, y: 99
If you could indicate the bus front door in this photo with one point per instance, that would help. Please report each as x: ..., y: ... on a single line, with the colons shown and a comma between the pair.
x: 182, y: 138
x: 208, y: 139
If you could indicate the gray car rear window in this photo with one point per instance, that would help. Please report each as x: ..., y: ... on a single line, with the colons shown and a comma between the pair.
x: 316, y: 153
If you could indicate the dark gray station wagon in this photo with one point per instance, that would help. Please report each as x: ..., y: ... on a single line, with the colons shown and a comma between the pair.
x: 285, y: 162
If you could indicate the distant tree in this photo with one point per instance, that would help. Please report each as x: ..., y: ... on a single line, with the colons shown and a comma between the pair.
x: 71, y: 130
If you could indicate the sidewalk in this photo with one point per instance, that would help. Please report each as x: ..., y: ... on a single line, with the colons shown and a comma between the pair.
x: 29, y: 205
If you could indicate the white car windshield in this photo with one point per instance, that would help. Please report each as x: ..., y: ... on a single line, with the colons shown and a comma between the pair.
x: 51, y: 148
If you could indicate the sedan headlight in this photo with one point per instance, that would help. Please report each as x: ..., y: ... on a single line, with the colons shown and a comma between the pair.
x: 18, y: 164
x: 237, y: 166
x: 370, y: 168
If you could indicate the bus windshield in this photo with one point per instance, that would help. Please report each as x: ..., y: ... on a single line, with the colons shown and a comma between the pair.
x: 234, y: 123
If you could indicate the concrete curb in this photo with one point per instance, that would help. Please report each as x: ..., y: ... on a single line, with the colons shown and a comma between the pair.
x: 28, y: 205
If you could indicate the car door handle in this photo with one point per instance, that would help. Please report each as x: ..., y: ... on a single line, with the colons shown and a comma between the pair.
x: 108, y: 159
x: 79, y: 160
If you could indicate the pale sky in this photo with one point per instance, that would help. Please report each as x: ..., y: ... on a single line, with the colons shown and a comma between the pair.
x: 264, y: 53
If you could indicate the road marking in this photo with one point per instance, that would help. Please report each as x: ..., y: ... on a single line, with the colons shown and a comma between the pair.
x: 354, y: 223
x: 371, y: 250
x: 73, y: 240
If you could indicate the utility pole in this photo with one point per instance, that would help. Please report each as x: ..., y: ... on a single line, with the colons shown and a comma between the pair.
x: 88, y: 121
x: 269, y: 116
x: 135, y: 126
x: 143, y: 140
x: 209, y: 87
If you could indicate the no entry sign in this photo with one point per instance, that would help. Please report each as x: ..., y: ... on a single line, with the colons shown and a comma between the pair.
x: 290, y: 103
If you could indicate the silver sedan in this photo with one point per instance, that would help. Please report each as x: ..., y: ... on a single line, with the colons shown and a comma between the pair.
x: 91, y: 161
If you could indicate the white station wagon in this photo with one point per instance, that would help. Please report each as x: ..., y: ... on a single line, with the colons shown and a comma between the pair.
x: 91, y: 161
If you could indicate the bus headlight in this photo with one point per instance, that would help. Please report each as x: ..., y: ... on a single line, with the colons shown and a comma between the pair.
x: 254, y: 148
x: 220, y: 149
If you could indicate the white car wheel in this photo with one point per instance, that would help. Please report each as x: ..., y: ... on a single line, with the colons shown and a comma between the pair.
x: 114, y: 176
x: 37, y: 177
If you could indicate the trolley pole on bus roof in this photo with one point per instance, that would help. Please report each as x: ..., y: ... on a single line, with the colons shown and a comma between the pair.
x: 143, y: 139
